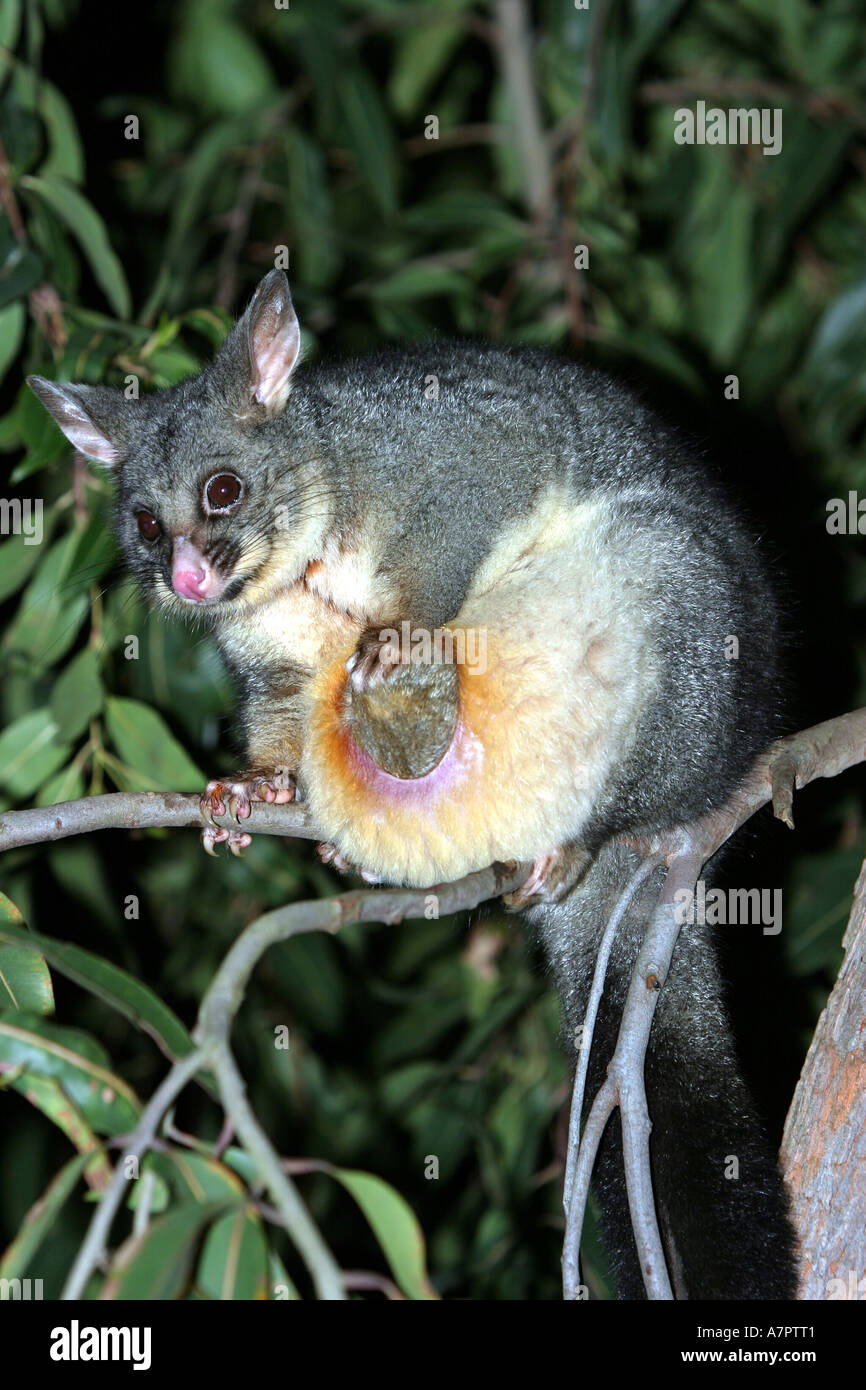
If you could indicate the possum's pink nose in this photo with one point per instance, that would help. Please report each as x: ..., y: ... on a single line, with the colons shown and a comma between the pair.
x: 191, y: 575
x: 190, y: 584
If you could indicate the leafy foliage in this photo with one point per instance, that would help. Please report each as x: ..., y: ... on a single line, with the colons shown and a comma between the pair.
x: 138, y: 209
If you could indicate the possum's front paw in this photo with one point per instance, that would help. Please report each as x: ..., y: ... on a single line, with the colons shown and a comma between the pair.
x: 235, y: 794
x: 374, y: 660
x: 329, y: 854
x: 553, y: 875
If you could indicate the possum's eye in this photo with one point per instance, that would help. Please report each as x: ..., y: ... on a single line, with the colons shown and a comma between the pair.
x: 148, y: 525
x: 222, y: 492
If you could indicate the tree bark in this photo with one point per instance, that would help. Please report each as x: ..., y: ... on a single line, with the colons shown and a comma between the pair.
x: 824, y: 1146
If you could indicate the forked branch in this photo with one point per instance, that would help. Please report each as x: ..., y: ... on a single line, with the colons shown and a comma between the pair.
x: 822, y: 751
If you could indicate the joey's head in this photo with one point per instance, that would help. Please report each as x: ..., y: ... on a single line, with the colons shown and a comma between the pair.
x: 221, y: 495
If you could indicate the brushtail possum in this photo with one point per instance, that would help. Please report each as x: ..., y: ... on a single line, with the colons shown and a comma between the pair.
x: 481, y: 604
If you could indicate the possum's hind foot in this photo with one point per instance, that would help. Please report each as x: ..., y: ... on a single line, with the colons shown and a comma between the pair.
x: 553, y: 875
x: 329, y: 854
x: 374, y: 660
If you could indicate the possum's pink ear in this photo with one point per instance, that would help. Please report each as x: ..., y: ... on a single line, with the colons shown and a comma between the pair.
x: 274, y: 342
x: 91, y: 417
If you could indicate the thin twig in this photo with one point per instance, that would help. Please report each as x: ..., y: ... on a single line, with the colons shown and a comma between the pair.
x: 226, y: 992
x: 624, y: 1086
x: 574, y: 1210
x: 139, y: 811
x: 824, y: 750
x: 218, y: 1008
x: 296, y: 1219
x: 8, y: 201
x: 391, y: 905
x: 455, y: 137
x: 627, y: 1068
x: 94, y: 1244
x: 515, y: 52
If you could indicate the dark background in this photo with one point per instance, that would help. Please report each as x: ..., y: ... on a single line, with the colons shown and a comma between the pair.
x: 305, y: 127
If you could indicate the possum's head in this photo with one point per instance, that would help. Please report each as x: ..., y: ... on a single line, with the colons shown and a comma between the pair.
x: 216, y: 502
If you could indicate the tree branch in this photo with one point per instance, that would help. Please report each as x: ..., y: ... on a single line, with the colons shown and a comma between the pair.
x: 216, y: 1015
x: 140, y: 811
x: 514, y: 43
x: 93, y: 1247
x: 823, y: 1145
x: 825, y: 750
x: 822, y: 751
x: 575, y: 1192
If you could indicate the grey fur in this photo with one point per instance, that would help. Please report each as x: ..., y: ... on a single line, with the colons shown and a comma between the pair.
x: 366, y: 447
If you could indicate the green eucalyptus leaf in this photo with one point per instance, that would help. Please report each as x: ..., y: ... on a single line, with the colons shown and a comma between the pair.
x: 114, y: 986
x: 42, y: 1219
x: 158, y: 1264
x: 233, y: 1263
x: 48, y: 1095
x: 65, y: 156
x: 78, y: 1064
x: 18, y: 555
x: 146, y: 745
x: 77, y: 694
x: 25, y: 980
x: 367, y: 131
x: 51, y: 610
x: 420, y: 60
x: 394, y: 1226
x: 12, y: 320
x: 87, y: 226
x: 218, y: 64
x: 20, y: 272
x: 30, y: 750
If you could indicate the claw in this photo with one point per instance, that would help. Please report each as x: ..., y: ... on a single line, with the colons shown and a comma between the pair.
x: 211, y: 836
x: 369, y: 877
x: 329, y: 854
x: 235, y: 795
x: 211, y: 803
x: 553, y: 875
x: 374, y: 660
x: 239, y: 806
x: 237, y: 840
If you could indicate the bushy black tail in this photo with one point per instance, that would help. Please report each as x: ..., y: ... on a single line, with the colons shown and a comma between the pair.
x: 720, y: 1201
